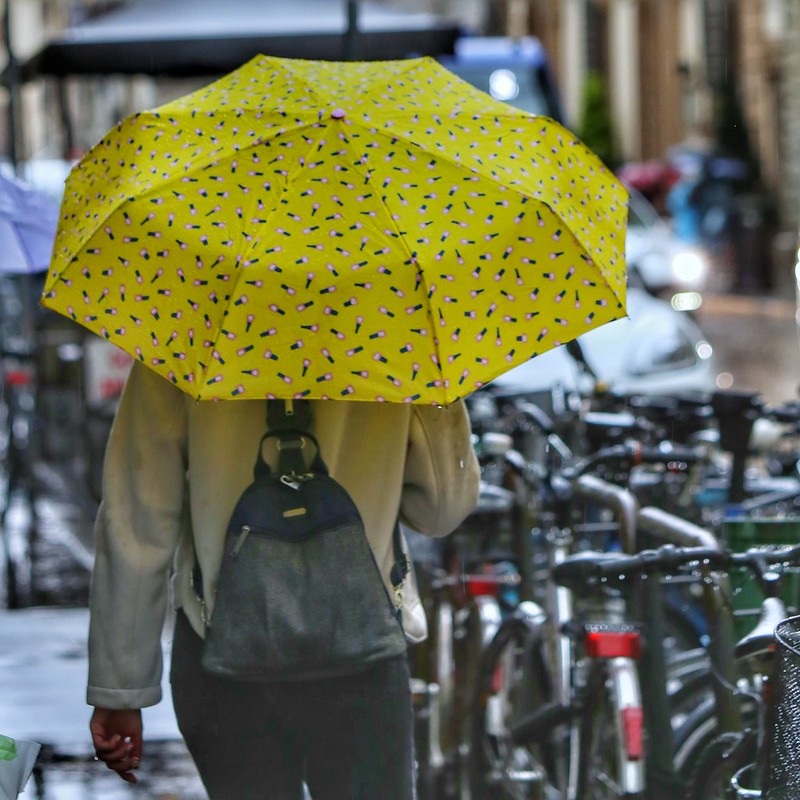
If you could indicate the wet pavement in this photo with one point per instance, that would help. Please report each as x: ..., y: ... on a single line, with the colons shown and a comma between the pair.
x: 756, y: 343
x: 43, y: 670
x: 43, y: 666
x: 43, y: 649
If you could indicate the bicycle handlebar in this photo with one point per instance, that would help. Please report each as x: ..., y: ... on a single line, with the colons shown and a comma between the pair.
x: 786, y: 412
x: 19, y: 355
x: 671, y: 529
x: 592, y: 566
x: 620, y: 500
x: 533, y: 413
x: 636, y: 453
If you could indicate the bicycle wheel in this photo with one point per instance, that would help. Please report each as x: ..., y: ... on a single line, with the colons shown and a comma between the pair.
x: 611, y: 754
x: 435, y: 691
x: 700, y: 730
x: 443, y: 671
x: 514, y: 685
x: 716, y: 765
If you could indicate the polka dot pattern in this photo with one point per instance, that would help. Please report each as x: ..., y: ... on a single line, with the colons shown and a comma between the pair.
x: 369, y: 231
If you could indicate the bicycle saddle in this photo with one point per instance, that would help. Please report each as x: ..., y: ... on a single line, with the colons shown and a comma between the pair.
x: 762, y: 638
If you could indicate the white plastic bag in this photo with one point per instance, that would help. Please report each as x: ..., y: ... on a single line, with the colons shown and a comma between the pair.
x: 17, y: 757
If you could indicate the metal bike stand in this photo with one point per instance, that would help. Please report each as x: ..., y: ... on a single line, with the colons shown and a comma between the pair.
x: 673, y: 530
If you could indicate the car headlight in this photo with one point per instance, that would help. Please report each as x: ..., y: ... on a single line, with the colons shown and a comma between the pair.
x: 503, y: 85
x: 671, y: 350
x: 689, y: 267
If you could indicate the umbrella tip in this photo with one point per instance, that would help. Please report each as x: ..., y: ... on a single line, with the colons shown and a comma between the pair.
x: 338, y: 113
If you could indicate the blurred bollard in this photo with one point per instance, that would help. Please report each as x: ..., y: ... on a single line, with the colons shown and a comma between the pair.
x: 752, y: 238
x: 784, y: 259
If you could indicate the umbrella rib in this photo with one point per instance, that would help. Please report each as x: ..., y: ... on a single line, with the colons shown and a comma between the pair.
x: 286, y: 188
x: 510, y: 187
x: 411, y: 256
x: 286, y: 66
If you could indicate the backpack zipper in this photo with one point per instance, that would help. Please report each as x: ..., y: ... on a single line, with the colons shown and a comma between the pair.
x: 240, y: 540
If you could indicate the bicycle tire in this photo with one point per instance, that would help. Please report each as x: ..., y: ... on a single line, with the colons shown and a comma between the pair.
x: 512, y: 683
x: 434, y: 745
x: 611, y: 761
x: 690, y: 683
x: 710, y: 779
x: 699, y: 731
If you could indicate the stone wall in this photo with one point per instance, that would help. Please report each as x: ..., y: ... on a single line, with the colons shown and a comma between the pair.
x: 790, y: 123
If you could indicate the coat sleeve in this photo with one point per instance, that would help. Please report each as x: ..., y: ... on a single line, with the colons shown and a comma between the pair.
x: 441, y: 474
x: 136, y: 533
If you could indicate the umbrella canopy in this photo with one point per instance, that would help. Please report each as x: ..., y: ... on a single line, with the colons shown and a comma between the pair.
x: 370, y: 231
x: 28, y: 224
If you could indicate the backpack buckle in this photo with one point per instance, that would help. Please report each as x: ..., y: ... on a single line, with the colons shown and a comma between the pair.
x: 292, y: 481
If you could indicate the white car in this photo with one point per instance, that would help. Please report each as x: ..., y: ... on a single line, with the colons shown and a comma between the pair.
x: 659, y: 260
x: 655, y: 350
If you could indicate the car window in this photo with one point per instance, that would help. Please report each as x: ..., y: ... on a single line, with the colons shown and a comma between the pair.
x: 518, y: 86
x: 640, y: 213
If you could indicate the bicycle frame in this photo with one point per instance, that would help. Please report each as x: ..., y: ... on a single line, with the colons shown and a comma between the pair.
x: 668, y: 528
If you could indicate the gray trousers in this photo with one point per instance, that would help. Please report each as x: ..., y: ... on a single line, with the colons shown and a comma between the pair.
x: 348, y: 738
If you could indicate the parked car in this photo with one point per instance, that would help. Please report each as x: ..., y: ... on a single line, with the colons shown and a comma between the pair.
x: 655, y: 350
x: 516, y: 71
x: 659, y: 261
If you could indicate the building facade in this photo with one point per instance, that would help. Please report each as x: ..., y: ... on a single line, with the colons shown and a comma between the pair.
x: 665, y: 63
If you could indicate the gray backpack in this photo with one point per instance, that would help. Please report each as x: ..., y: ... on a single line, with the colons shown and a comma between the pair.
x: 299, y: 594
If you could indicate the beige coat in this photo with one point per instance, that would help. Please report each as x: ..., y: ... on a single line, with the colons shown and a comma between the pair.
x: 174, y: 470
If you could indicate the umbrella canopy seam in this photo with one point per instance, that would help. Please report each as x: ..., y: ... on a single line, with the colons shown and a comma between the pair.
x: 510, y: 186
x: 412, y: 258
x: 131, y: 196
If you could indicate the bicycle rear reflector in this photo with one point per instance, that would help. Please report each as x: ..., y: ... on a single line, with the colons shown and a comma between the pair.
x: 612, y: 641
x: 632, y: 731
x: 19, y: 377
x: 481, y: 585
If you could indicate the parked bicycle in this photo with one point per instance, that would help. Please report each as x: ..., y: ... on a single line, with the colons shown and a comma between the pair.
x: 18, y: 443
x: 742, y: 763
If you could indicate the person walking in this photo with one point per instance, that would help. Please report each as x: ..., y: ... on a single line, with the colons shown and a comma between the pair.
x: 174, y: 469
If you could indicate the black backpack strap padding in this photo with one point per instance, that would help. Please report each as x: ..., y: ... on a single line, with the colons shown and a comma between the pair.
x: 289, y: 421
x: 291, y: 456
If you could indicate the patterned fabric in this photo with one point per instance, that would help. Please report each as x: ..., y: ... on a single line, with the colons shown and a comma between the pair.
x: 371, y: 231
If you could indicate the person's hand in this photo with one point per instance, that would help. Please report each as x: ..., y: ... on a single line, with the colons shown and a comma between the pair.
x: 117, y: 738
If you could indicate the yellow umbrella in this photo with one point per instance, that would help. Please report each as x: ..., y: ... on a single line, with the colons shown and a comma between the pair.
x: 370, y: 231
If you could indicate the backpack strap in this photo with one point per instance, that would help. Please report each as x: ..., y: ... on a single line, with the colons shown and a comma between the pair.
x: 291, y: 458
x: 400, y: 568
x: 288, y: 421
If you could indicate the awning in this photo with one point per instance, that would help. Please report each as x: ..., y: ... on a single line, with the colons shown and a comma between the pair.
x: 208, y: 37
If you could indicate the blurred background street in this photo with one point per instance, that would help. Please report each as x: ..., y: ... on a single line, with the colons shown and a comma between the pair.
x: 694, y: 104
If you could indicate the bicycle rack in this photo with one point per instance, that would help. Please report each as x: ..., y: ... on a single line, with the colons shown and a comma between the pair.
x: 670, y: 529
